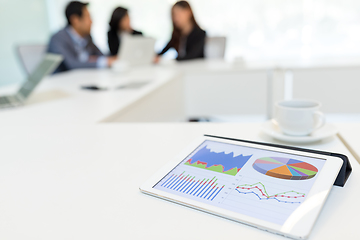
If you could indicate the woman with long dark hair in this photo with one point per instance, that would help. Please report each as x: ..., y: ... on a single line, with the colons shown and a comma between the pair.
x: 119, y: 25
x: 188, y: 39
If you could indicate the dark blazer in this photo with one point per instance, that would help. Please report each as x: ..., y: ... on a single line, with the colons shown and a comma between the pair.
x: 195, y: 43
x: 114, y: 41
x: 62, y: 43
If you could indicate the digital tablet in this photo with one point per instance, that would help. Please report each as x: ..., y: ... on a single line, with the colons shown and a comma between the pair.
x: 274, y: 189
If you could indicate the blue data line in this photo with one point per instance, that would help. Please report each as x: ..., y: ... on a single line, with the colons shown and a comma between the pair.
x: 187, y: 184
x: 216, y: 194
x: 209, y: 192
x: 182, y: 184
x: 181, y: 181
x: 205, y: 191
x: 200, y: 188
x: 176, y: 183
x: 172, y: 181
x: 274, y: 198
x: 199, y: 184
x: 168, y: 180
x: 212, y: 193
x: 192, y: 187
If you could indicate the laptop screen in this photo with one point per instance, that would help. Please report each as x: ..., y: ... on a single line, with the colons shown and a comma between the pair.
x: 46, y: 66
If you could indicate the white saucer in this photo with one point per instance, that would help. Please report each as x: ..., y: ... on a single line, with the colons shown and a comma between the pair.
x: 273, y: 130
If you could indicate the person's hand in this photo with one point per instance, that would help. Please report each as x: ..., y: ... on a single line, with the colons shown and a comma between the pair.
x: 93, y: 58
x: 111, y: 60
x: 157, y: 59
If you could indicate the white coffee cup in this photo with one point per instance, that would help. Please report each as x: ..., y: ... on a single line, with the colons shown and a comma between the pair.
x: 298, y: 117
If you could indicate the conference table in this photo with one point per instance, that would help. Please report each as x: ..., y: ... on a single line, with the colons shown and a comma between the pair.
x: 176, y: 91
x: 72, y: 160
x: 145, y: 94
x: 82, y: 182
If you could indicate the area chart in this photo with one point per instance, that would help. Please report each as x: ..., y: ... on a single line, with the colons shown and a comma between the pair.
x: 218, y: 162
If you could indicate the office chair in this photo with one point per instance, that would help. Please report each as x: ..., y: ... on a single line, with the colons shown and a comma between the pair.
x: 215, y: 47
x: 31, y: 55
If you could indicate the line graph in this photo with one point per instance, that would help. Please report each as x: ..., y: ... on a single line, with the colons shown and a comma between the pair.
x: 218, y: 162
x: 259, y: 190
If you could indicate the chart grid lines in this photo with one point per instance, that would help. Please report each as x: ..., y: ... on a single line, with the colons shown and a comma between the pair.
x: 258, y: 189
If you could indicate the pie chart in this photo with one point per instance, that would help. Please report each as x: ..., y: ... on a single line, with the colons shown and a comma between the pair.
x: 285, y: 168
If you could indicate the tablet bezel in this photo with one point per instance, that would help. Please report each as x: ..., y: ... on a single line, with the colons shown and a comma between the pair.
x: 300, y: 222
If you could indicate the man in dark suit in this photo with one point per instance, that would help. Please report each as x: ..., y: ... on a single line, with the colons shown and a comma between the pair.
x: 74, y: 42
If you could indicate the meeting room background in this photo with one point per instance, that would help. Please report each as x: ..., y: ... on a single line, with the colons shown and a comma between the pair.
x: 254, y: 29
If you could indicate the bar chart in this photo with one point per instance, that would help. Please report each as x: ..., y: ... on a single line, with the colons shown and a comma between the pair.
x: 206, y: 188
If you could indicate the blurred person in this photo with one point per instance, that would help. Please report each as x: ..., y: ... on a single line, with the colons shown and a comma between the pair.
x: 119, y: 25
x: 74, y: 42
x: 188, y: 39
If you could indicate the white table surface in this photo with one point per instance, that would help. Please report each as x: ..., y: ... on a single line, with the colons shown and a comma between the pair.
x: 59, y: 99
x: 350, y: 132
x: 221, y: 65
x: 81, y: 182
x: 306, y: 63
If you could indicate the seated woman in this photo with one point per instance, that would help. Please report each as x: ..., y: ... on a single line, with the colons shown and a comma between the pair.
x: 119, y: 25
x: 188, y: 39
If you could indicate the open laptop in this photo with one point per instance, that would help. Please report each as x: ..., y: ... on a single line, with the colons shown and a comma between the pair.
x: 49, y: 63
x: 137, y: 50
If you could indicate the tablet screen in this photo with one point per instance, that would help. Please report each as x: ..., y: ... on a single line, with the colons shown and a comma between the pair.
x: 264, y: 184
